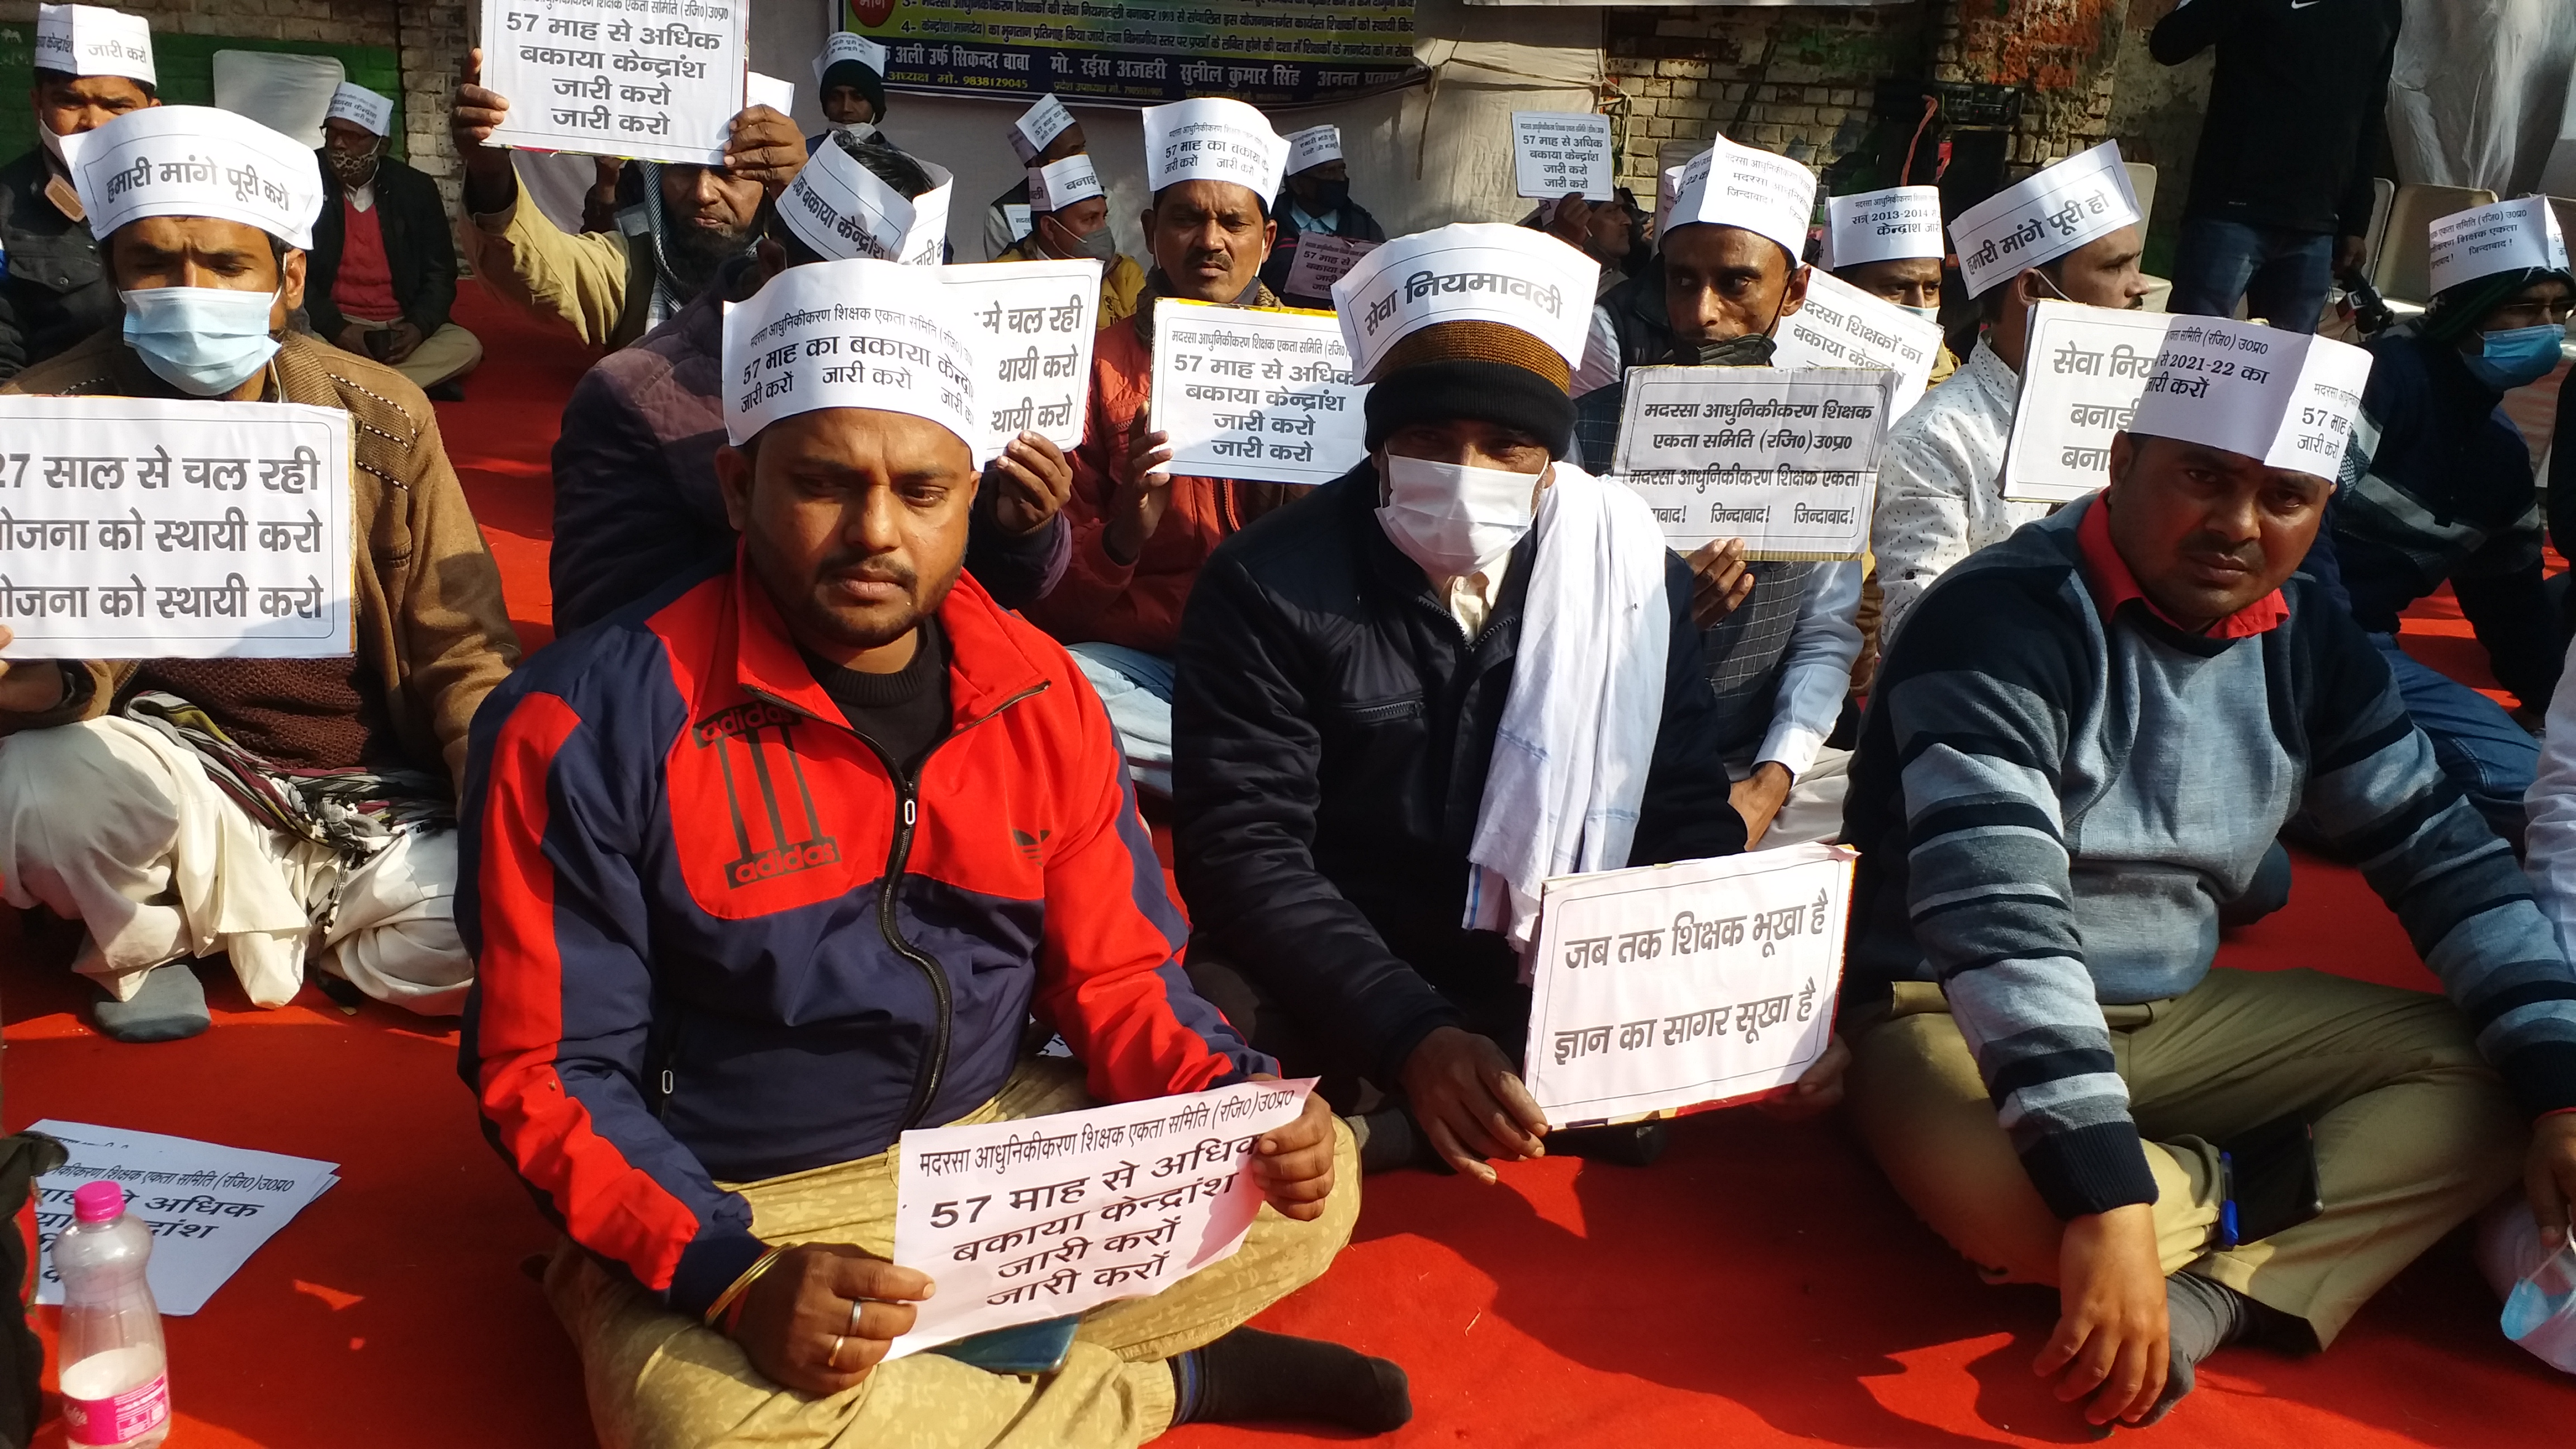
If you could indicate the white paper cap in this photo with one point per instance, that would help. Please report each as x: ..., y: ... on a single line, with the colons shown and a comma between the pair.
x: 2286, y: 398
x: 1060, y: 184
x: 844, y: 211
x: 770, y: 91
x: 362, y: 107
x: 1467, y: 272
x: 2503, y: 236
x: 1732, y: 185
x: 846, y: 45
x: 1668, y: 191
x: 1213, y: 139
x: 1038, y: 126
x: 1882, y: 226
x: 94, y: 40
x: 196, y: 161
x: 1312, y: 147
x: 2038, y: 219
x: 851, y: 334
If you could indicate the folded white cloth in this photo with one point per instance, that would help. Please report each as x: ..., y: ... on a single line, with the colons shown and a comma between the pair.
x: 1578, y: 730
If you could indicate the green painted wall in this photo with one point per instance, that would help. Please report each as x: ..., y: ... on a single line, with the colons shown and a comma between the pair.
x: 187, y: 67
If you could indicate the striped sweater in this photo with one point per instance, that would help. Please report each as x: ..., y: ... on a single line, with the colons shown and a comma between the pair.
x: 2050, y: 807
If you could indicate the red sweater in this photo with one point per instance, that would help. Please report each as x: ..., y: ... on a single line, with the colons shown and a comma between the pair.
x: 365, y: 286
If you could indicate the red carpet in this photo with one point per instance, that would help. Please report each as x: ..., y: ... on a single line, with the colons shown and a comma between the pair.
x: 1759, y: 1286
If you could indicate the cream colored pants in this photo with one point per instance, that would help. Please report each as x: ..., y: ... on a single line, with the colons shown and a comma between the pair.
x: 659, y: 1380
x: 2414, y: 1132
x: 450, y: 352
x: 110, y: 822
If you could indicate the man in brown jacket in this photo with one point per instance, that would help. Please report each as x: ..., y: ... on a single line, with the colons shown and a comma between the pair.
x: 273, y: 810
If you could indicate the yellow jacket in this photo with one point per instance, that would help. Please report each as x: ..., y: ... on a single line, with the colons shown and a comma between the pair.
x: 590, y: 281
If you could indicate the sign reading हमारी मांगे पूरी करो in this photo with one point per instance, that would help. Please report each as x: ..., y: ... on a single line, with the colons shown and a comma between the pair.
x: 646, y: 79
x: 1786, y: 461
x: 1256, y: 394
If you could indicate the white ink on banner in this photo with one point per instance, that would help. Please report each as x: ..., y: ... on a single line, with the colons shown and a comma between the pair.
x: 1322, y: 260
x: 1558, y: 153
x: 209, y: 1207
x: 1030, y: 1220
x: 656, y: 80
x: 1030, y: 326
x: 1685, y: 985
x: 1256, y: 394
x: 2081, y: 380
x: 134, y: 528
x: 1786, y: 461
x: 1843, y: 326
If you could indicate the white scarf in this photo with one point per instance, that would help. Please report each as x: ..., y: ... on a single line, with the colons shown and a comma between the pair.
x: 1578, y: 730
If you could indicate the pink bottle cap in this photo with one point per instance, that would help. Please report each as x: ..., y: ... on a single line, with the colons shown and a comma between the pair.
x: 98, y: 1202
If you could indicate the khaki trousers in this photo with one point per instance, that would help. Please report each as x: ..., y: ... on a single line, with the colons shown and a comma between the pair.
x: 449, y: 352
x: 658, y: 1380
x: 2414, y: 1132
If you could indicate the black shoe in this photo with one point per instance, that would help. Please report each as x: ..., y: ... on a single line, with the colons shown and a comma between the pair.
x: 1629, y: 1144
x: 448, y: 391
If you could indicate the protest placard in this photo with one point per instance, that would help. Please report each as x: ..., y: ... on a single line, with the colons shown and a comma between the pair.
x: 1322, y: 260
x: 1030, y: 326
x: 132, y: 528
x: 1257, y: 394
x: 2081, y: 378
x: 1558, y: 153
x: 1786, y: 461
x: 1843, y: 326
x: 1676, y: 986
x: 647, y: 79
x: 1029, y: 1220
x: 209, y: 1207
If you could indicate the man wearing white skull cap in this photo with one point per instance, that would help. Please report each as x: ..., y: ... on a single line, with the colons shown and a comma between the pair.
x: 92, y: 65
x: 122, y: 824
x: 2079, y: 750
x: 383, y: 272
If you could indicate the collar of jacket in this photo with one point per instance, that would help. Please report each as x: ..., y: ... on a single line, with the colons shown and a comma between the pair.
x: 1157, y: 287
x: 987, y: 667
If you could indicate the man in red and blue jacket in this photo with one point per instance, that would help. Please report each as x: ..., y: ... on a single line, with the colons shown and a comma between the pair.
x: 771, y: 866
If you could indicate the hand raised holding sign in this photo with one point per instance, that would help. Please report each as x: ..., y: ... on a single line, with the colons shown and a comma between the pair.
x: 1294, y: 1164
x: 763, y: 146
x: 820, y: 1317
x: 490, y: 184
x: 1030, y: 479
x: 1143, y: 491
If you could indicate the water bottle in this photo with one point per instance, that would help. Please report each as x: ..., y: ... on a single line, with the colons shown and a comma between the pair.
x: 115, y: 1378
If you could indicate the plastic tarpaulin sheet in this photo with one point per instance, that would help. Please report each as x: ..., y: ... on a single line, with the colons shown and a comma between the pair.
x: 2480, y: 94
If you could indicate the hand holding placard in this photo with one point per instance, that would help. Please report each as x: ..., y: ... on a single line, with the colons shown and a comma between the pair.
x: 594, y: 76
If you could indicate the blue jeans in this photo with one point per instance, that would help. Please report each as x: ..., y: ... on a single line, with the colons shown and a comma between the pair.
x: 2480, y: 748
x: 1136, y: 688
x: 2281, y: 276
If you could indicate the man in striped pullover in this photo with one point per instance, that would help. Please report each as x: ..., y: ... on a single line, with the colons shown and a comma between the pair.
x: 2078, y: 753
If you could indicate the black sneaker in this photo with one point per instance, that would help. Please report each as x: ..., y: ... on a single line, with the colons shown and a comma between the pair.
x: 1629, y: 1144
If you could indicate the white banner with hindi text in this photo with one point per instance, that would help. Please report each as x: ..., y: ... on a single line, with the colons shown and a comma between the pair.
x: 656, y: 80
x: 1256, y: 393
x: 1786, y: 461
x: 1030, y: 325
x: 2081, y: 379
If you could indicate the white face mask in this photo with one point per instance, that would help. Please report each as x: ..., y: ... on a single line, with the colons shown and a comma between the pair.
x: 857, y: 130
x: 1928, y: 314
x: 1454, y: 520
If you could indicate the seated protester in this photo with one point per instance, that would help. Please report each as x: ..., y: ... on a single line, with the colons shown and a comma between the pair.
x: 125, y: 786
x: 613, y: 287
x: 2437, y: 488
x: 635, y: 492
x: 1318, y: 199
x: 383, y: 270
x: 729, y: 1206
x: 1888, y: 244
x: 1778, y: 640
x: 849, y: 80
x: 1071, y: 222
x: 1940, y: 478
x: 1044, y: 135
x: 1140, y: 533
x: 53, y: 289
x: 1606, y: 232
x: 1354, y: 823
x: 2080, y: 750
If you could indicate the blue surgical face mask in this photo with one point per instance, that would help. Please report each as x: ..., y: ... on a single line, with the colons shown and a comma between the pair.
x: 2509, y: 359
x: 1928, y: 314
x: 204, y: 341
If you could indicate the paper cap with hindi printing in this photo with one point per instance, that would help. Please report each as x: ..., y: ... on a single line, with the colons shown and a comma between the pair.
x: 363, y: 108
x: 1213, y: 139
x: 1732, y: 185
x: 1312, y: 147
x: 1060, y: 184
x: 195, y: 161
x: 848, y: 334
x: 2044, y: 216
x: 844, y: 211
x: 1883, y: 226
x: 1037, y: 127
x: 94, y: 40
x: 2502, y: 236
x: 2286, y: 398
x: 848, y: 45
x: 1466, y: 272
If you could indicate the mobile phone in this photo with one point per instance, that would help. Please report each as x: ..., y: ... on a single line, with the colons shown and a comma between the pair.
x: 1026, y: 1348
x: 2271, y: 1181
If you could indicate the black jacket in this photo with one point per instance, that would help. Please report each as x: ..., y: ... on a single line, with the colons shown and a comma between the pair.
x: 1350, y: 219
x: 2294, y: 107
x: 418, y: 246
x: 1332, y: 727
x: 55, y: 292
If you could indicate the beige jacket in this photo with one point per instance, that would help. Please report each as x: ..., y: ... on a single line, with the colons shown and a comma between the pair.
x: 431, y: 625
x: 594, y: 281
